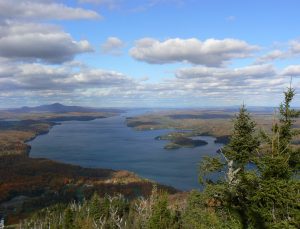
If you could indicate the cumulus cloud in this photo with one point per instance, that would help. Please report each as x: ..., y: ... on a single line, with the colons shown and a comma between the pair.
x: 38, y: 9
x: 63, y: 78
x: 111, y: 4
x: 112, y: 46
x: 101, y: 78
x: 271, y: 56
x: 28, y: 44
x: 210, y: 52
x: 198, y: 85
x: 292, y: 70
x: 292, y: 50
x: 39, y: 42
x: 295, y: 46
x: 252, y: 71
x: 230, y: 83
x: 24, y: 38
x: 190, y: 85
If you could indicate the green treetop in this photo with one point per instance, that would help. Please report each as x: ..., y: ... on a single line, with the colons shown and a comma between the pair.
x: 243, y: 142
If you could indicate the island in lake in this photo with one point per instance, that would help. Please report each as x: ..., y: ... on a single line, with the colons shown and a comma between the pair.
x: 181, y: 139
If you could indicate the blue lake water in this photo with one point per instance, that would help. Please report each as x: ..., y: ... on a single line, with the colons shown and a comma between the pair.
x: 109, y: 143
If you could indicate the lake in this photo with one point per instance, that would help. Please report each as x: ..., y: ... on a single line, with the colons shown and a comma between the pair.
x: 109, y: 143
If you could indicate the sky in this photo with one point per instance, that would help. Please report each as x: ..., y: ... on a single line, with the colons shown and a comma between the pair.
x: 148, y: 53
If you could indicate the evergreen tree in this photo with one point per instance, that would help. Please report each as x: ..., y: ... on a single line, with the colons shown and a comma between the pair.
x: 276, y: 201
x: 200, y: 212
x: 94, y: 207
x: 69, y: 219
x: 239, y: 152
x: 280, y: 159
x: 266, y: 197
x: 286, y: 120
x: 243, y: 143
x: 161, y: 217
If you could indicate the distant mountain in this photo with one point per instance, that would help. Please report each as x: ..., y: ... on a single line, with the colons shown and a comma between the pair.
x: 60, y: 108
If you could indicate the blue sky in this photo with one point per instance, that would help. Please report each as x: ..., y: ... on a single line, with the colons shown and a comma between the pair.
x: 137, y: 53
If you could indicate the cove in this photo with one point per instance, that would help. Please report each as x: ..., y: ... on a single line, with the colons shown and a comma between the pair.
x: 109, y: 143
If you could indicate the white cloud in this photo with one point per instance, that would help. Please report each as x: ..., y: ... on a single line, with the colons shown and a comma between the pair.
x: 111, y: 4
x: 39, y: 42
x: 210, y: 52
x: 28, y: 45
x: 101, y: 78
x: 292, y: 51
x: 190, y: 86
x: 271, y: 56
x: 22, y: 38
x: 112, y: 46
x: 63, y: 78
x: 292, y: 70
x: 252, y: 71
x: 295, y: 46
x: 33, y: 9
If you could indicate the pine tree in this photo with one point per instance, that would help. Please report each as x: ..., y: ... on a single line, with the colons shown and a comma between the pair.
x: 161, y: 217
x: 286, y: 120
x: 269, y: 196
x: 236, y: 155
x: 281, y: 160
x: 243, y: 143
x: 276, y: 201
x: 68, y: 219
x: 94, y: 207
